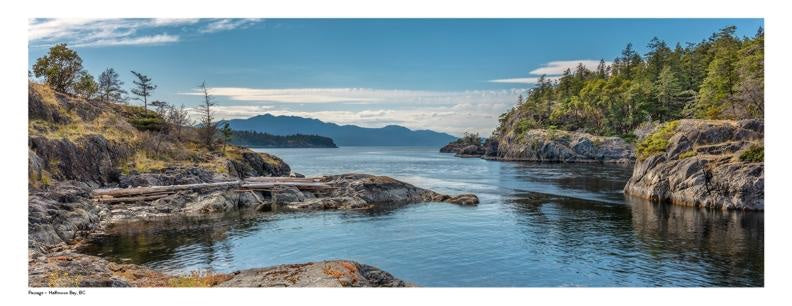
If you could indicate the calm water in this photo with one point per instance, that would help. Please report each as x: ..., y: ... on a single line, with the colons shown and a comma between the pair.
x: 537, y: 225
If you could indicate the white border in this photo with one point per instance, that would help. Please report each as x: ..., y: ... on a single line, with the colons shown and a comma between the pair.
x: 14, y: 61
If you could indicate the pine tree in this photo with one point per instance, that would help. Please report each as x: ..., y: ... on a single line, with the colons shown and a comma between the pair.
x: 143, y: 88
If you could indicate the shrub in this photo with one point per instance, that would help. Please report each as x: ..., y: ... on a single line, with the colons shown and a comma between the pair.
x: 657, y: 142
x: 688, y: 154
x: 754, y: 153
x: 142, y: 119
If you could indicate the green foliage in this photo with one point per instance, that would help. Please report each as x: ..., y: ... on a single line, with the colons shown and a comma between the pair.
x: 86, y: 87
x: 657, y: 142
x: 143, y: 88
x: 754, y: 153
x: 720, y: 77
x: 60, y: 68
x: 145, y: 120
x: 688, y: 154
x: 265, y: 140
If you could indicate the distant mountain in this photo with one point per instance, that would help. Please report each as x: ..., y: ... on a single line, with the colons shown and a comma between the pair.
x: 342, y: 135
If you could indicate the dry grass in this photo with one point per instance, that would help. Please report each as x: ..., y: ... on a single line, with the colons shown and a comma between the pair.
x: 198, y: 279
x: 59, y: 278
x: 142, y: 163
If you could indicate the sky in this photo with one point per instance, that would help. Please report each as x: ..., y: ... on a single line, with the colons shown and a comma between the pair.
x: 447, y: 75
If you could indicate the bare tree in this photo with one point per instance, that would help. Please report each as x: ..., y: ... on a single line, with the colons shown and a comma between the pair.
x: 177, y: 119
x: 208, y: 128
x: 110, y: 86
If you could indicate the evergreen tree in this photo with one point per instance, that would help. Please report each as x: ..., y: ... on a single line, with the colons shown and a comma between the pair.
x: 667, y: 92
x: 143, y: 88
x: 85, y: 86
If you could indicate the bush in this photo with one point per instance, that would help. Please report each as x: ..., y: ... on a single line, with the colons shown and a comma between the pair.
x: 657, y: 142
x: 144, y: 120
x: 688, y: 154
x: 754, y: 154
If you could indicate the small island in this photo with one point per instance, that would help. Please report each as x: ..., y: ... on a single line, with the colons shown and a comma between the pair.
x: 253, y: 139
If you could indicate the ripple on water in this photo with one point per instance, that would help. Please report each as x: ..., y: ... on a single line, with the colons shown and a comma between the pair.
x: 537, y: 225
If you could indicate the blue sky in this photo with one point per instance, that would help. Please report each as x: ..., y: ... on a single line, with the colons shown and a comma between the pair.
x: 450, y: 75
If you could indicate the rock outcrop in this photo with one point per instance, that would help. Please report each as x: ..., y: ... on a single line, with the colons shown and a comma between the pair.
x: 335, y: 273
x: 61, y: 214
x: 361, y: 191
x: 703, y: 163
x: 543, y: 145
x: 62, y: 267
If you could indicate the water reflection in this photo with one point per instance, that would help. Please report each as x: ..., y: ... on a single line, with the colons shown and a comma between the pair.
x: 537, y: 225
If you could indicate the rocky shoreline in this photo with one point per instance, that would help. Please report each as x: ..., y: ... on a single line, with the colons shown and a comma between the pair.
x: 76, y: 146
x: 62, y: 266
x: 63, y: 215
x: 703, y: 163
x: 543, y: 145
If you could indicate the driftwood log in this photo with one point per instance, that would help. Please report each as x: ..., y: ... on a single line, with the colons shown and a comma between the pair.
x: 118, y: 195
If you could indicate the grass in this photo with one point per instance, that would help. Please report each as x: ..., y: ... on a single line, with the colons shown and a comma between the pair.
x: 754, y: 154
x: 198, y: 279
x: 63, y: 279
x: 657, y: 142
x: 142, y: 163
x: 688, y: 154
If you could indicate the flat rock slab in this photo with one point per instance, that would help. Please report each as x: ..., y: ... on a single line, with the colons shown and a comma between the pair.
x: 335, y: 273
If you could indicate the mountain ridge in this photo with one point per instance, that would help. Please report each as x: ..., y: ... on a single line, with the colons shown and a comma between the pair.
x: 342, y: 135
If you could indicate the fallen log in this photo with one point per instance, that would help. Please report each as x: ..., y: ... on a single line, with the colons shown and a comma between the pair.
x: 111, y: 193
x: 131, y: 199
x: 283, y: 179
x: 116, y: 192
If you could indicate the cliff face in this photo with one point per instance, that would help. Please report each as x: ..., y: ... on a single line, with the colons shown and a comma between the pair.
x: 706, y: 163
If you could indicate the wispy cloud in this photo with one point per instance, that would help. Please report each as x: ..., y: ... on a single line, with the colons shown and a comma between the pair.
x: 449, y: 111
x: 355, y: 95
x: 228, y: 24
x: 529, y: 80
x: 123, y: 32
x: 552, y: 71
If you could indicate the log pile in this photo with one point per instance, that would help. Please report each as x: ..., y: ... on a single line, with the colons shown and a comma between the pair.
x: 135, y: 194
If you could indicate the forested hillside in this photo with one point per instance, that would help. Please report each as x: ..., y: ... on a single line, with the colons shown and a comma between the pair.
x: 721, y: 77
x: 265, y: 140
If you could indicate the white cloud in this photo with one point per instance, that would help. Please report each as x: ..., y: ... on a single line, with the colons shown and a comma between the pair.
x: 140, y: 40
x: 448, y: 111
x: 558, y: 67
x: 529, y: 80
x: 228, y: 24
x: 356, y: 95
x: 117, y: 32
x: 552, y: 71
